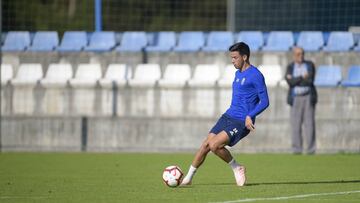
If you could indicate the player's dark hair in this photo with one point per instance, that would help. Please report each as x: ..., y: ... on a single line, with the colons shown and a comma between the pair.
x: 242, y: 48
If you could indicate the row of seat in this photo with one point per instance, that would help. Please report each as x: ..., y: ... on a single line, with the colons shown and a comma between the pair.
x: 175, y: 75
x: 178, y: 42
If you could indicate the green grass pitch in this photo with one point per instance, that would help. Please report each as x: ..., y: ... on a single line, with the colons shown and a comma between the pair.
x: 136, y: 177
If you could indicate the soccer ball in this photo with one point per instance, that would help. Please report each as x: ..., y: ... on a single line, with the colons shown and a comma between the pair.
x: 172, y: 176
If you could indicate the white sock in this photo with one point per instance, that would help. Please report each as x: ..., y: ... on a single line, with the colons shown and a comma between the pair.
x: 233, y: 164
x: 190, y: 173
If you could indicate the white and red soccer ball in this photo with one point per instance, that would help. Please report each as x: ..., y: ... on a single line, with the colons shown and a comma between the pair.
x: 172, y: 176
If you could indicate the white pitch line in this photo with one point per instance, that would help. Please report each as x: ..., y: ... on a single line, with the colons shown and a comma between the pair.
x: 290, y: 197
x: 22, y: 197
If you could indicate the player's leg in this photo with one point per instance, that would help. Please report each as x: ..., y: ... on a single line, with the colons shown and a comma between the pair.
x: 202, y: 152
x: 213, y: 141
x: 217, y: 146
x: 198, y: 160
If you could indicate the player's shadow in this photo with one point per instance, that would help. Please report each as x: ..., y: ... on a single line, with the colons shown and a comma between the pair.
x: 306, y: 182
x: 291, y: 182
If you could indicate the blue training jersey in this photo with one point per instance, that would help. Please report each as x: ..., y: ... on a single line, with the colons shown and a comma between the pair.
x: 249, y: 96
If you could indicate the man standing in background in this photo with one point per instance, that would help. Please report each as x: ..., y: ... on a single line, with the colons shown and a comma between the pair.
x: 302, y: 98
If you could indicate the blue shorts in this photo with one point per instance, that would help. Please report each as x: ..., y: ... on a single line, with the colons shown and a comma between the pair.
x: 235, y: 129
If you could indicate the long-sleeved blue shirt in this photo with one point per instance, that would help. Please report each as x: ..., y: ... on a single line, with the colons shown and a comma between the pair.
x: 249, y: 96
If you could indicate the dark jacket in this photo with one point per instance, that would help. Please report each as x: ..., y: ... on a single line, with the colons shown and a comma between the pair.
x: 299, y: 81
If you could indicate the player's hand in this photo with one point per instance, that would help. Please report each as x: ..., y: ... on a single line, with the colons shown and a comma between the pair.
x: 249, y: 124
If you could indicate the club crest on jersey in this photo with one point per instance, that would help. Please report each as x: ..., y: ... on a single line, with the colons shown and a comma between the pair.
x: 237, y: 79
x: 243, y: 81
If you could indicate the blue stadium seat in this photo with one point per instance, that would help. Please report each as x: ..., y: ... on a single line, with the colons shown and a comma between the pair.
x: 219, y: 41
x: 163, y: 41
x: 190, y: 42
x: 310, y: 40
x: 3, y: 37
x: 16, y: 41
x: 357, y: 47
x: 150, y: 37
x: 328, y: 76
x: 326, y: 36
x: 44, y: 41
x: 101, y: 41
x: 254, y: 39
x: 73, y: 41
x: 132, y: 42
x: 353, y: 77
x: 279, y: 41
x: 339, y: 41
x: 296, y: 36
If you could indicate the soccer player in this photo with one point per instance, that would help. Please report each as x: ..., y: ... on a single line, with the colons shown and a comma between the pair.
x: 249, y: 99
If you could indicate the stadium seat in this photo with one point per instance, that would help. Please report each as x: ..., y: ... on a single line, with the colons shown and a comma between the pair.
x: 190, y: 42
x: 328, y: 76
x: 16, y: 41
x: 7, y: 73
x: 132, y: 42
x: 56, y: 97
x: 118, y: 73
x: 150, y: 38
x: 296, y: 36
x: 28, y: 74
x: 357, y: 47
x: 3, y: 37
x: 44, y: 41
x: 84, y: 89
x: 225, y: 83
x: 116, y: 76
x: 172, y: 94
x: 353, y: 77
x: 86, y: 75
x: 24, y: 100
x: 101, y: 41
x: 219, y: 41
x: 272, y: 74
x: 176, y: 75
x: 203, y: 95
x: 254, y: 39
x: 279, y: 41
x: 228, y: 76
x: 164, y: 41
x: 339, y: 41
x: 205, y: 75
x: 73, y: 41
x: 326, y: 36
x: 57, y: 75
x: 146, y: 75
x: 310, y: 40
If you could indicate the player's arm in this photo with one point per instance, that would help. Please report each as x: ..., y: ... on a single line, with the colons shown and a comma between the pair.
x: 260, y: 86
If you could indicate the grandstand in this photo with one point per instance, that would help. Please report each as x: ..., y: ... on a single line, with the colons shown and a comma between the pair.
x: 180, y: 75
x: 77, y: 84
